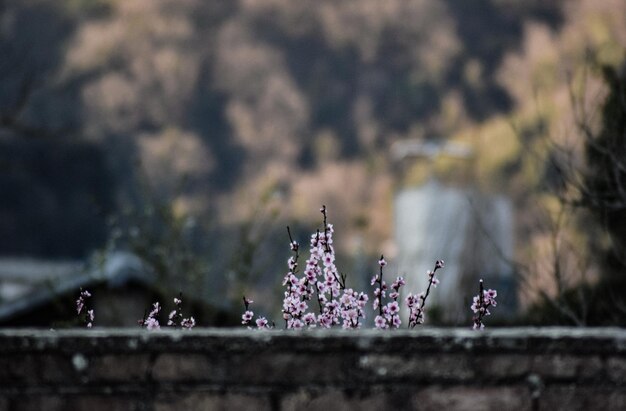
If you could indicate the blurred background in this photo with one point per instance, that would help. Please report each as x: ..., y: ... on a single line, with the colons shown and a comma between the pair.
x: 152, y: 147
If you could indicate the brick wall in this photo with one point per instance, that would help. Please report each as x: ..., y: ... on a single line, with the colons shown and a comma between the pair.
x: 443, y: 369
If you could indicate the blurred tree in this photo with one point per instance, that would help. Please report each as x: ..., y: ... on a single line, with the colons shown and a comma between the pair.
x: 601, y: 189
x: 605, y: 178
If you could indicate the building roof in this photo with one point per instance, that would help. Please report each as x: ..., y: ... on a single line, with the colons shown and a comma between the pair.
x: 26, y: 284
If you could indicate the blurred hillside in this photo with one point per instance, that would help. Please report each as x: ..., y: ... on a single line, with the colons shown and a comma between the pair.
x: 245, y: 114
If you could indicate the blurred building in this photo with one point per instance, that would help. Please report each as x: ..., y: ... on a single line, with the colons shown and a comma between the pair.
x: 40, y: 293
x: 471, y: 231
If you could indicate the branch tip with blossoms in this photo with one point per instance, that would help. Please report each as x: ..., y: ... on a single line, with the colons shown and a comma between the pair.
x: 481, y: 303
x: 248, y: 316
x: 417, y: 303
x: 388, y: 314
x: 80, y: 304
x: 338, y: 305
x: 175, y: 318
x: 151, y: 322
x: 321, y: 281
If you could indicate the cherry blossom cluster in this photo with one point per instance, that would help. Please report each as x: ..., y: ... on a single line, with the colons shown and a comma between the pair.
x: 388, y: 314
x: 417, y: 303
x: 151, y: 322
x: 322, y: 286
x: 321, y: 281
x: 481, y: 303
x: 248, y: 316
x: 175, y: 317
x: 80, y: 304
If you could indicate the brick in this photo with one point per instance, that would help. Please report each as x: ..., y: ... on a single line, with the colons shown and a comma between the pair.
x: 213, y: 401
x: 18, y: 369
x: 184, y: 367
x: 60, y: 369
x: 616, y: 369
x: 575, y: 397
x: 277, y: 368
x: 118, y: 368
x: 567, y: 366
x: 500, y: 366
x: 472, y: 398
x: 454, y: 367
x: 38, y: 402
x: 294, y: 369
x: 332, y: 399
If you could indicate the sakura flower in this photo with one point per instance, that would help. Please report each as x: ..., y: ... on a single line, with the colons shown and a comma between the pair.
x: 156, y: 308
x: 261, y: 322
x: 309, y: 319
x: 152, y: 324
x: 480, y: 305
x: 296, y: 324
x: 393, y: 308
x: 188, y: 323
x: 380, y: 322
x: 90, y: 317
x: 294, y: 246
x: 247, y: 317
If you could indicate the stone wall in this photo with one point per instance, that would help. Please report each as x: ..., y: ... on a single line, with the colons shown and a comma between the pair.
x: 204, y: 369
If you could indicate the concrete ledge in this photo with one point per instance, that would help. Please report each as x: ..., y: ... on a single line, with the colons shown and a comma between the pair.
x: 521, y: 368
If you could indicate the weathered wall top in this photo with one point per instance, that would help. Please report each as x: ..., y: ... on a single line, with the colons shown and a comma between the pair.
x: 523, y: 368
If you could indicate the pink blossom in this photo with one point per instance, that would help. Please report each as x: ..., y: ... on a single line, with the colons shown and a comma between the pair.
x: 480, y: 305
x: 156, y: 308
x: 152, y: 324
x: 90, y: 317
x: 261, y: 322
x: 393, y: 308
x: 309, y: 319
x: 328, y: 259
x: 380, y: 322
x: 188, y: 323
x: 80, y: 302
x: 325, y: 320
x: 296, y: 324
x: 247, y: 317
